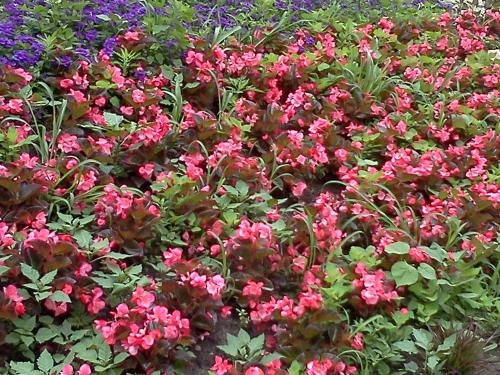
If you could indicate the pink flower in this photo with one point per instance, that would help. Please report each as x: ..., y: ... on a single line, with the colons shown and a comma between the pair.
x: 84, y: 270
x: 357, y: 341
x: 172, y: 256
x: 226, y: 311
x: 254, y: 370
x: 138, y: 96
x: 67, y: 370
x: 298, y: 189
x: 12, y: 294
x: 127, y: 111
x: 253, y: 289
x: 78, y: 96
x: 215, y: 285
x: 66, y: 83
x: 96, y: 304
x: 57, y: 308
x: 221, y: 366
x: 142, y: 298
x: 85, y: 370
x: 341, y: 154
x: 68, y: 143
x: 146, y: 171
x: 132, y: 36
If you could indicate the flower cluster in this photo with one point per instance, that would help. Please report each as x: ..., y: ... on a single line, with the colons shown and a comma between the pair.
x: 142, y: 325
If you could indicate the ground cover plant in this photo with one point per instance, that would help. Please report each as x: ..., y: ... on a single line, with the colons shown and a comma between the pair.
x: 50, y: 34
x: 318, y: 201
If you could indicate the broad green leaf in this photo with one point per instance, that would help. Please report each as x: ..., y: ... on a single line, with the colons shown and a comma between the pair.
x: 427, y: 271
x: 404, y: 273
x: 435, y: 252
x: 397, y: 248
x: 406, y: 346
x: 242, y: 187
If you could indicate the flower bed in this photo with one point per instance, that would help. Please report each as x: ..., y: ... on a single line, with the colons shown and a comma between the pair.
x: 321, y: 203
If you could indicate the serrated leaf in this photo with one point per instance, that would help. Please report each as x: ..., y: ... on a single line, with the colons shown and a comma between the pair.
x: 45, y: 334
x: 22, y: 368
x: 48, y: 277
x: 83, y: 238
x: 68, y: 219
x: 45, y: 361
x: 60, y: 296
x: 256, y: 344
x: 229, y: 350
x: 115, y: 255
x: 30, y: 272
x: 113, y: 119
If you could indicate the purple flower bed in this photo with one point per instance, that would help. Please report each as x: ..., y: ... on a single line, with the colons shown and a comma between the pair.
x: 35, y: 31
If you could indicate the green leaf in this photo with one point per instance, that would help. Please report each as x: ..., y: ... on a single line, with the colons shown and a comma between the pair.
x: 242, y: 187
x: 60, y: 296
x: 120, y: 357
x: 45, y: 361
x: 423, y: 338
x: 397, y: 248
x: 48, y: 278
x: 406, y: 346
x: 68, y: 219
x: 22, y: 368
x: 112, y: 119
x: 244, y: 337
x: 229, y: 350
x: 435, y: 252
x: 427, y: 271
x: 45, y: 334
x: 256, y: 344
x: 404, y: 273
x: 103, y: 17
x: 30, y: 272
x: 3, y: 269
x: 323, y: 66
x: 296, y: 368
x: 28, y: 324
x: 83, y: 238
x: 115, y: 255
